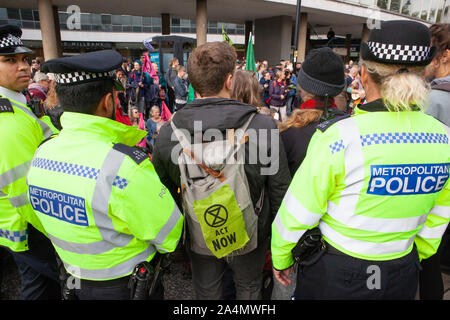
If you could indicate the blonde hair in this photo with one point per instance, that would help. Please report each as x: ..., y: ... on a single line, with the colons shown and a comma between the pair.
x: 301, y: 118
x: 402, y: 87
x: 153, y: 109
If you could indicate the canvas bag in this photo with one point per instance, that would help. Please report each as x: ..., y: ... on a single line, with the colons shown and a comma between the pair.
x: 216, y: 198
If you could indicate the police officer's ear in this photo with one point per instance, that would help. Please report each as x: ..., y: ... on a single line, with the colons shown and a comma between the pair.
x: 365, y: 77
x: 106, y: 107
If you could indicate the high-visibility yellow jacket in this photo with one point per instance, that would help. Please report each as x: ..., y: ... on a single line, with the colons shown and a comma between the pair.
x: 374, y: 183
x: 100, y: 200
x: 20, y: 135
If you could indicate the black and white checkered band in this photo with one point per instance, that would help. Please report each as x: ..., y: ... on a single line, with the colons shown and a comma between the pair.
x: 82, y: 76
x: 10, y: 41
x: 400, y: 53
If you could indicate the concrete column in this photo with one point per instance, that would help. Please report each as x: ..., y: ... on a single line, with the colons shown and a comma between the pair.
x: 302, y: 37
x: 248, y: 29
x: 202, y: 22
x: 57, y: 31
x: 273, y: 39
x: 365, y: 33
x: 348, y: 44
x: 165, y: 23
x: 47, y: 21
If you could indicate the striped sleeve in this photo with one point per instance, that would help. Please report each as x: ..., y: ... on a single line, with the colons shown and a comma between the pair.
x: 429, y: 237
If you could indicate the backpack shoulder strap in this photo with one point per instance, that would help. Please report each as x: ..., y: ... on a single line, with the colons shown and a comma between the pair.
x: 241, y: 132
x: 185, y: 144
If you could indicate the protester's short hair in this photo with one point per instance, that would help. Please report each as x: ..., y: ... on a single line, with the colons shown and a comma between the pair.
x: 209, y: 65
x: 84, y: 97
x: 181, y: 68
x: 153, y: 109
x: 440, y: 37
x: 172, y: 61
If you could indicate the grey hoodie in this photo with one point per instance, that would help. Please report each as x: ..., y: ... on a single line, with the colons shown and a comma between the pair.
x: 438, y: 101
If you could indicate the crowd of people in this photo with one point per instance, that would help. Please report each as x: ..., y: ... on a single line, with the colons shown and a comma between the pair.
x: 327, y: 147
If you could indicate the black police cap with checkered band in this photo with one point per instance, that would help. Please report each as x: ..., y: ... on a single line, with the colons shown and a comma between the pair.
x: 83, y: 68
x: 10, y: 42
x: 399, y: 42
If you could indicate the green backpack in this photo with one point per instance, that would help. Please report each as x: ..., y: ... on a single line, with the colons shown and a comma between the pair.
x: 217, y: 205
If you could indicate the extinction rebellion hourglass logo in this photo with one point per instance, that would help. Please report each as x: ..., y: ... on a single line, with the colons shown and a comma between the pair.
x: 216, y: 216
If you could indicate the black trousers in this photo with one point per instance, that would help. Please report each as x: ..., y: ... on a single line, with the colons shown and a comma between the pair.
x: 38, y: 268
x: 341, y: 277
x: 431, y: 285
x: 113, y: 290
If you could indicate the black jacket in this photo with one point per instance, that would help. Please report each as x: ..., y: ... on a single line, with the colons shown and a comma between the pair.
x: 222, y: 114
x: 296, y: 141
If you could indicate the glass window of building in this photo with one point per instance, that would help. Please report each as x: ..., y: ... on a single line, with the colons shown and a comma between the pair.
x: 3, y: 14
x: 116, y: 19
x: 156, y: 22
x: 96, y: 19
x: 13, y: 14
x: 26, y: 14
x: 85, y: 19
x: 136, y: 21
x: 395, y: 5
x: 106, y: 19
x: 126, y: 20
x: 146, y: 21
x: 185, y: 23
x: 175, y: 22
x: 383, y: 4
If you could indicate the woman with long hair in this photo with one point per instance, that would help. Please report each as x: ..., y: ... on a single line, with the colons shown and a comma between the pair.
x: 245, y: 88
x: 278, y: 94
x: 372, y: 192
x: 170, y: 77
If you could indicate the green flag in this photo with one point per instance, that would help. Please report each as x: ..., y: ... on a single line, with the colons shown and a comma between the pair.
x: 250, y: 58
x: 226, y: 38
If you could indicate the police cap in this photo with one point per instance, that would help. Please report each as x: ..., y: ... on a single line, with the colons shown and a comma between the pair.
x: 10, y: 42
x: 86, y: 67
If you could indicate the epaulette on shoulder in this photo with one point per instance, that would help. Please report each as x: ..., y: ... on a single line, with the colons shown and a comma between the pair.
x: 6, y: 106
x: 323, y: 126
x: 134, y: 153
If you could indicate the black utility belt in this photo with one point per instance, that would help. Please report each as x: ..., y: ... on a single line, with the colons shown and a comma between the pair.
x: 123, y: 281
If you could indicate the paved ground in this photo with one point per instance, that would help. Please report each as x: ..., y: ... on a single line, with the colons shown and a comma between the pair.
x: 177, y: 281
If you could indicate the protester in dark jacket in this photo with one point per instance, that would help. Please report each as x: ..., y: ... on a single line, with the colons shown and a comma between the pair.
x: 181, y: 88
x: 137, y: 84
x: 265, y: 83
x: 170, y: 76
x: 296, y: 132
x: 210, y: 71
x: 278, y: 93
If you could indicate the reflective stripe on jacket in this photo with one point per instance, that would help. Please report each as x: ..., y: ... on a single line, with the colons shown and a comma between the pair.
x: 20, y: 135
x: 374, y: 183
x: 100, y: 200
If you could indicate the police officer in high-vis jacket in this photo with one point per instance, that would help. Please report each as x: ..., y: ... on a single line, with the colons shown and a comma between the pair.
x: 21, y: 132
x: 376, y: 183
x: 98, y: 197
